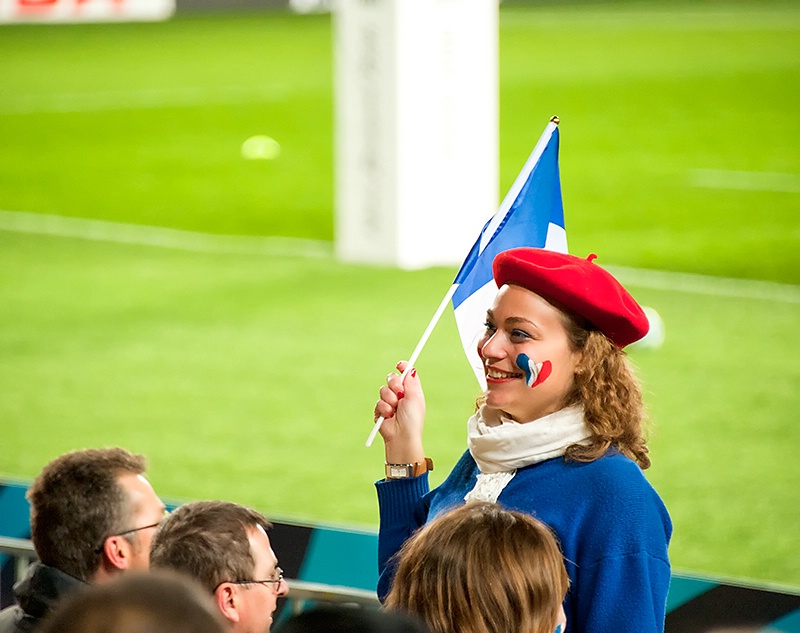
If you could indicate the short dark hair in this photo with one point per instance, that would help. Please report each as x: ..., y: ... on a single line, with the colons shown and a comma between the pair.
x: 76, y: 501
x: 138, y: 602
x: 208, y: 540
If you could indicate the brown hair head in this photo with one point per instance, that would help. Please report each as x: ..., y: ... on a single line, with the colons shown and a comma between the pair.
x: 76, y: 501
x: 208, y: 540
x: 139, y: 602
x: 481, y: 569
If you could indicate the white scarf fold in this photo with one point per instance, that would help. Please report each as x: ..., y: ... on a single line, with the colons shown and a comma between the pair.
x: 500, y: 445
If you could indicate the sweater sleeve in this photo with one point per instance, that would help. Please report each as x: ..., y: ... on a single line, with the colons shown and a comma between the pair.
x: 403, y: 509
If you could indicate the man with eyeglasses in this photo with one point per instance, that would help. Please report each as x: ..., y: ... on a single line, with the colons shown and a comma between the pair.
x: 225, y: 547
x: 93, y: 516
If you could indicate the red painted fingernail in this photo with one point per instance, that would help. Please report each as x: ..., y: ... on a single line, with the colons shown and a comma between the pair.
x: 414, y: 373
x: 401, y: 395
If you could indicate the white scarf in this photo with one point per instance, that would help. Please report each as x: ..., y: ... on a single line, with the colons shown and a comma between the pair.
x: 500, y: 445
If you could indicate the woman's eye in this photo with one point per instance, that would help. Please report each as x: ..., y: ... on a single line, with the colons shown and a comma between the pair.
x: 489, y: 326
x: 519, y: 334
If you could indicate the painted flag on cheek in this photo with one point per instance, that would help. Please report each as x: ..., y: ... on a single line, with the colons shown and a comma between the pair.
x: 531, y: 214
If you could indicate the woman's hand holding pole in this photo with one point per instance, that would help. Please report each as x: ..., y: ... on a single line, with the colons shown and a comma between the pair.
x: 402, y: 406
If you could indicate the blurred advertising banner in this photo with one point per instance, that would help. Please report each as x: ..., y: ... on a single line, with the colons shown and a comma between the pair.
x: 84, y: 10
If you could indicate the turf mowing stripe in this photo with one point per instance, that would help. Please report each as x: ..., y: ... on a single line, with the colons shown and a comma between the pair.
x: 744, y: 180
x: 104, y: 231
x: 707, y: 285
x: 138, y: 99
x: 776, y: 17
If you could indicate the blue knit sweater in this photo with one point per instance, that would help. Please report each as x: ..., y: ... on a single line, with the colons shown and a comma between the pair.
x: 611, y: 524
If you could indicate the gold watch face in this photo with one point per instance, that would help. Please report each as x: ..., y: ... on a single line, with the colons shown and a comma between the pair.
x: 398, y: 471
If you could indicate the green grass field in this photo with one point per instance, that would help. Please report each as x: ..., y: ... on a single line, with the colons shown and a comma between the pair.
x: 252, y: 377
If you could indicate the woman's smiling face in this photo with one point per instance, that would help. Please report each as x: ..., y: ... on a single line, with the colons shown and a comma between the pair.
x: 522, y: 322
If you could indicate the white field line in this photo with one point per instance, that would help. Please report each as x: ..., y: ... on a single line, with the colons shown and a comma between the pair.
x: 103, y: 231
x: 745, y: 180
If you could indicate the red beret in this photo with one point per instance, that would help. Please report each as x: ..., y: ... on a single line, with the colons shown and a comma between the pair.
x: 577, y: 285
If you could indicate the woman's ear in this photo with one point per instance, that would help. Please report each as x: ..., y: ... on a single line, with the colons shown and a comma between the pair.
x: 579, y: 360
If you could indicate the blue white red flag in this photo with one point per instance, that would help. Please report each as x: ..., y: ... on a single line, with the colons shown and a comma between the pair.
x: 531, y: 214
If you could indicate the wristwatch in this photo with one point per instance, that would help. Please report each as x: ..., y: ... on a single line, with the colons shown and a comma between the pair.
x: 407, y: 471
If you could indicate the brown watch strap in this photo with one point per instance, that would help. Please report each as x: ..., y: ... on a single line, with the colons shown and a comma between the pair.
x: 407, y: 471
x: 423, y: 466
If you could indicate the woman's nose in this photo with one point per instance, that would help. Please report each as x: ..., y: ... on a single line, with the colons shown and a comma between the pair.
x: 490, y: 348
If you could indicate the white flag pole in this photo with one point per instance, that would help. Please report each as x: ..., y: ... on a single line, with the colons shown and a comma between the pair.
x: 417, y: 351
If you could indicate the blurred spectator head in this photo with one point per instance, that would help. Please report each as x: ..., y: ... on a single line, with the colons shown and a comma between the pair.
x: 482, y: 569
x: 157, y: 602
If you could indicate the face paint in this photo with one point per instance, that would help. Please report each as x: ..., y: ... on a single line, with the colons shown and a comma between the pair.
x: 535, y: 373
x: 559, y: 628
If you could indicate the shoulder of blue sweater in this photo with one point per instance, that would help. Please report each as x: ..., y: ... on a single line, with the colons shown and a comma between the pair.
x: 613, y: 464
x: 611, y: 477
x: 614, y: 492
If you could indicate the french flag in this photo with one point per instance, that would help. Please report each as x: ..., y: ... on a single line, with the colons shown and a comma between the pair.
x: 531, y: 214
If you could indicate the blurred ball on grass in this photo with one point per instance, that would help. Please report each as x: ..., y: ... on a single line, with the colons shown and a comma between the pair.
x: 261, y: 147
x: 655, y: 336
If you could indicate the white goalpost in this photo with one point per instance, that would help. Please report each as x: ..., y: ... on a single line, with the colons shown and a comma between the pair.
x: 416, y: 138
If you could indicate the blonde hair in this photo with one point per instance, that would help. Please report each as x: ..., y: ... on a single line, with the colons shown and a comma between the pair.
x: 481, y: 569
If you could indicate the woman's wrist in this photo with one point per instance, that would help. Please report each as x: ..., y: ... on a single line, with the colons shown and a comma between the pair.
x: 404, y: 452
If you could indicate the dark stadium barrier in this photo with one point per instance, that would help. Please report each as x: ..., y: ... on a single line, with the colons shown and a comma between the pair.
x: 332, y: 564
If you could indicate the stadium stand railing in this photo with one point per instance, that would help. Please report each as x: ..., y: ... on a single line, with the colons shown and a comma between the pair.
x: 301, y: 592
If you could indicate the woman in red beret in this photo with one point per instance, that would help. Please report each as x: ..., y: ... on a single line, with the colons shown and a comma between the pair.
x: 557, y: 434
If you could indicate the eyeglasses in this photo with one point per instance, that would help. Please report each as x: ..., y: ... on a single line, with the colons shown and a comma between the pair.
x: 124, y: 532
x: 144, y: 527
x: 276, y: 581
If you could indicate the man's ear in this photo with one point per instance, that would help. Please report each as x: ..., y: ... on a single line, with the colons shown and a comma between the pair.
x: 117, y: 553
x: 227, y: 601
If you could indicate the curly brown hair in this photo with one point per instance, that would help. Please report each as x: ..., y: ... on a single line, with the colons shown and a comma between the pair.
x: 607, y: 387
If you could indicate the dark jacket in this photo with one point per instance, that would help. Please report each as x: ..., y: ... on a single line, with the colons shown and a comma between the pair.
x: 36, y: 594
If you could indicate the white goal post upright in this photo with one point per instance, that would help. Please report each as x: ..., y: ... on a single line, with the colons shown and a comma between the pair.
x: 416, y: 128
